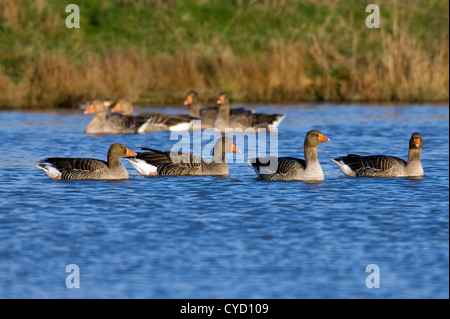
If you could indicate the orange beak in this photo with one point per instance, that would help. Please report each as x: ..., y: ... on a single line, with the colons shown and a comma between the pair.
x: 90, y: 109
x: 188, y: 100
x: 417, y: 142
x: 323, y: 138
x: 130, y: 153
x: 220, y: 100
x: 116, y: 108
x: 235, y: 149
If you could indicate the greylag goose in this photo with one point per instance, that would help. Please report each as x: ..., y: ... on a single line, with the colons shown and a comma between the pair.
x: 155, y: 162
x: 244, y: 120
x: 88, y: 168
x: 382, y: 165
x: 102, y: 123
x: 290, y: 168
x: 84, y: 104
x: 157, y: 121
x: 209, y: 114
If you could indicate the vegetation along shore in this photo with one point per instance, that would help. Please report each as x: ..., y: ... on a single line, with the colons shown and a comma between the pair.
x: 259, y: 51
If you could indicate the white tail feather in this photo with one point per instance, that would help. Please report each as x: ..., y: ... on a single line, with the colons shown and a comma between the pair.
x: 143, y: 127
x: 277, y: 122
x: 142, y: 166
x: 49, y: 170
x: 343, y: 167
x: 181, y: 127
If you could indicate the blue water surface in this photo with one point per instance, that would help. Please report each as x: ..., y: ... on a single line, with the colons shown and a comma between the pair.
x: 234, y: 237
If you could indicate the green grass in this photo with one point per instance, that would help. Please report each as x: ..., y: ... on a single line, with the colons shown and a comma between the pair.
x: 245, y: 28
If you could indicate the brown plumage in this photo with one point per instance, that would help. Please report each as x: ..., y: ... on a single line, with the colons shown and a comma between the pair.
x: 208, y: 115
x: 88, y: 168
x: 290, y: 168
x: 383, y: 165
x: 102, y: 123
x: 154, y: 162
x: 243, y: 121
x: 155, y: 121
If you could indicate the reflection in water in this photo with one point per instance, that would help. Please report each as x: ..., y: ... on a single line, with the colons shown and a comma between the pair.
x: 314, y: 182
x: 418, y: 179
x: 117, y: 181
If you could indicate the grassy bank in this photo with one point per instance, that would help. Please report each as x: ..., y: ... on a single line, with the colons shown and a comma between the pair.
x: 154, y: 51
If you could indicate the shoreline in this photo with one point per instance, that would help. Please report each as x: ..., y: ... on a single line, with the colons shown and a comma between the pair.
x: 294, y: 105
x: 153, y: 52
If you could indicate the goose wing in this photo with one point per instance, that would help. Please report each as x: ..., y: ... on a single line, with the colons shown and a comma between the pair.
x: 241, y: 110
x: 68, y: 164
x: 373, y: 165
x: 265, y: 120
x: 75, y: 168
x: 123, y: 122
x: 277, y: 167
x: 249, y: 119
x: 167, y: 119
x: 172, y: 163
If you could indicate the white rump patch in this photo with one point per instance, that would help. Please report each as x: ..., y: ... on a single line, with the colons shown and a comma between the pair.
x: 255, y: 168
x: 143, y: 127
x: 49, y: 170
x: 343, y: 167
x: 277, y: 122
x: 181, y: 127
x: 142, y: 166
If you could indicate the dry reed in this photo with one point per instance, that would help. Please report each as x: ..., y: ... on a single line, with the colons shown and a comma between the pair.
x: 403, y: 72
x: 400, y: 69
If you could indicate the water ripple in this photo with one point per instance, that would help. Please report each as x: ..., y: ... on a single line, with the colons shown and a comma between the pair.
x: 235, y: 237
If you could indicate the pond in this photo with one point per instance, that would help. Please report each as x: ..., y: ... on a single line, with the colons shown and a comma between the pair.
x: 233, y: 237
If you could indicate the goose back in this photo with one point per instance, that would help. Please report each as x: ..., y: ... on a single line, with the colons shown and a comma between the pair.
x: 243, y: 119
x: 156, y: 121
x: 383, y: 165
x: 88, y: 168
x: 154, y: 162
x: 278, y: 168
x: 372, y: 165
x: 291, y: 168
x: 208, y: 115
x: 102, y: 123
